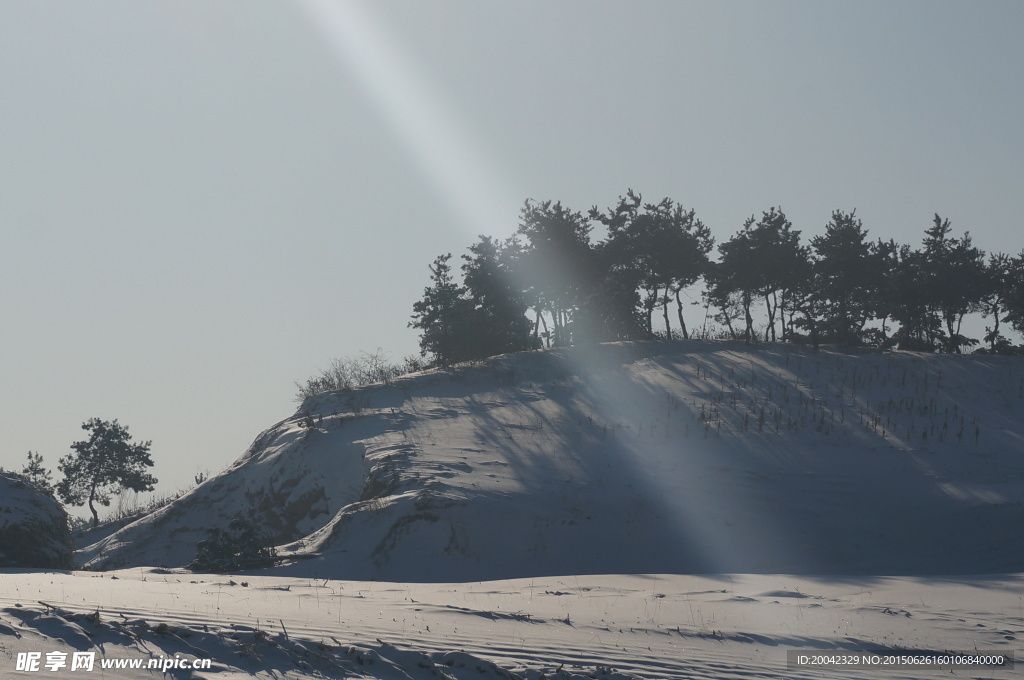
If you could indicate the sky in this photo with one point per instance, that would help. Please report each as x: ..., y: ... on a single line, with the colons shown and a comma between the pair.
x: 202, y: 203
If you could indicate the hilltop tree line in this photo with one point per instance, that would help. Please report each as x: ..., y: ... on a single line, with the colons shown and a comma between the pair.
x: 550, y: 284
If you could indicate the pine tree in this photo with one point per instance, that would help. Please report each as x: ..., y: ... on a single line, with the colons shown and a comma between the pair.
x: 1014, y: 302
x: 499, y: 311
x: 848, y: 271
x: 443, y: 316
x: 664, y: 248
x: 908, y: 302
x: 107, y: 463
x: 36, y: 473
x: 764, y: 259
x: 1000, y: 280
x: 955, y: 280
x: 560, y: 266
x: 730, y: 303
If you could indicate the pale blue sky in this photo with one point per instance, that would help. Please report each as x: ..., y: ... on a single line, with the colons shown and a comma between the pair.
x: 204, y: 202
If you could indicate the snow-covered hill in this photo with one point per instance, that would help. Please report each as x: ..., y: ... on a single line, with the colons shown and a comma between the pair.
x: 33, y: 526
x: 687, y: 457
x: 583, y: 472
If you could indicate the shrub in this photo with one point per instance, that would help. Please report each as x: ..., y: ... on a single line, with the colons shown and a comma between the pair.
x: 36, y: 473
x: 242, y: 546
x: 349, y: 373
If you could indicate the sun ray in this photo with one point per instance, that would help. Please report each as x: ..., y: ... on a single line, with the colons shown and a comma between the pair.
x: 431, y: 130
x: 474, y: 189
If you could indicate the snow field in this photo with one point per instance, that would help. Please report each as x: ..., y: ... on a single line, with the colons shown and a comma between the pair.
x: 726, y: 626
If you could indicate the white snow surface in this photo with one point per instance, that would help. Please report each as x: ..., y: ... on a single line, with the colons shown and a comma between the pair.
x: 662, y: 510
x: 609, y: 627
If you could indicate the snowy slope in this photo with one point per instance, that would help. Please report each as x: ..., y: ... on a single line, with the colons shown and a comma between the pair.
x: 33, y: 526
x: 686, y: 457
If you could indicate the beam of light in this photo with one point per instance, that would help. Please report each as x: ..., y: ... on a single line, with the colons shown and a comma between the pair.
x: 475, y: 191
x: 431, y: 132
x: 625, y: 397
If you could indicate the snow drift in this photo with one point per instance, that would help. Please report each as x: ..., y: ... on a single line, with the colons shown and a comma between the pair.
x: 686, y: 457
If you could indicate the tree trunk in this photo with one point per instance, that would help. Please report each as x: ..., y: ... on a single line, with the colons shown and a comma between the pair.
x: 812, y: 326
x: 771, y: 318
x: 782, y: 307
x: 951, y: 345
x: 728, y: 322
x: 649, y: 304
x: 959, y: 325
x: 843, y: 325
x: 679, y: 312
x: 749, y: 319
x: 995, y: 328
x: 664, y: 313
x: 92, y: 508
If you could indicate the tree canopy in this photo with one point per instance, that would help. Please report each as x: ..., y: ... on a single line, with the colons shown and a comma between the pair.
x: 551, y: 283
x: 105, y: 464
